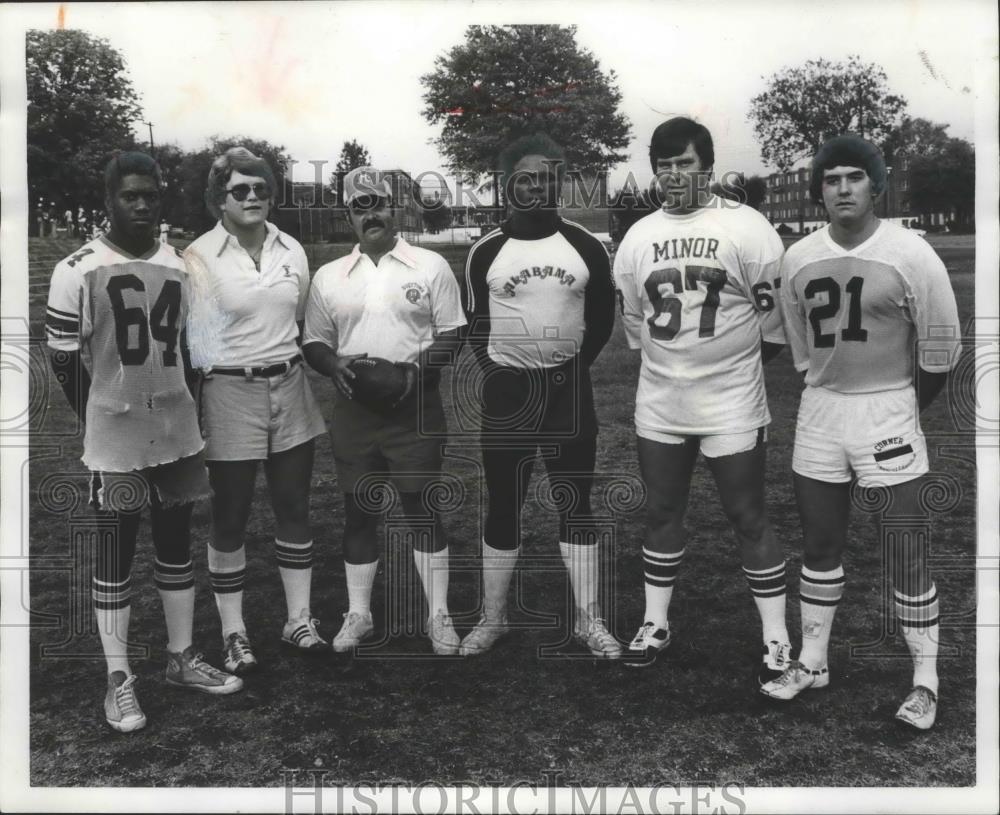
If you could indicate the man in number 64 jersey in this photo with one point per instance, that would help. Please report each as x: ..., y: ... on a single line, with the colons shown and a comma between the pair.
x: 697, y: 283
x: 860, y: 296
x: 121, y: 301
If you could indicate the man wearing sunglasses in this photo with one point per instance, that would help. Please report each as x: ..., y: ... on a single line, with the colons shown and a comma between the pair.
x: 250, y: 282
x: 401, y: 303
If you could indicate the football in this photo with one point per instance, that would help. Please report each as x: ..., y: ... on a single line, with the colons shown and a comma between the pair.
x: 377, y: 383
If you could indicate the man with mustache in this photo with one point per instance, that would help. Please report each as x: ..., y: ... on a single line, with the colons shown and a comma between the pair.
x: 121, y: 300
x: 402, y: 303
x: 860, y: 297
x: 697, y: 281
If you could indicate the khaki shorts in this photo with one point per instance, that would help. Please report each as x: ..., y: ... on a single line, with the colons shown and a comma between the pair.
x: 873, y: 436
x: 249, y: 419
x: 715, y: 446
x: 179, y: 482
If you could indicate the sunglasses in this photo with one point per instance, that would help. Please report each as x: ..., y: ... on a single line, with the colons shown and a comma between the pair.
x: 365, y: 203
x: 241, y: 191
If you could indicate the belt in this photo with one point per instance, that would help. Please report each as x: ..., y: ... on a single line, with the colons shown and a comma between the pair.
x: 268, y: 370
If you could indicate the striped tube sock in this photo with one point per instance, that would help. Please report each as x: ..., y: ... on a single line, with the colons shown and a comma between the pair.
x: 113, y: 609
x: 295, y: 562
x: 768, y: 589
x: 175, y: 584
x: 227, y: 573
x: 819, y: 593
x: 660, y: 573
x: 918, y: 617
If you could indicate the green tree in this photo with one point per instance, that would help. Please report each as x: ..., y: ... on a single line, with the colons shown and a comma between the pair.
x: 437, y: 215
x: 737, y: 187
x: 506, y: 81
x: 81, y: 109
x: 352, y: 155
x: 946, y: 181
x: 914, y: 137
x: 803, y: 107
x: 194, y: 176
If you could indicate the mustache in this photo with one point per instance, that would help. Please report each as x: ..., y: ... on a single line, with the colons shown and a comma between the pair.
x: 368, y: 223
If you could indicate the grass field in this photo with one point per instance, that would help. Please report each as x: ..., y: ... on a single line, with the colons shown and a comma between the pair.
x: 396, y: 715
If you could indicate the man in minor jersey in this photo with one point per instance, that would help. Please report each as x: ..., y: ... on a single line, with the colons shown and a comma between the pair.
x: 122, y: 299
x: 697, y: 282
x: 540, y: 304
x: 860, y: 296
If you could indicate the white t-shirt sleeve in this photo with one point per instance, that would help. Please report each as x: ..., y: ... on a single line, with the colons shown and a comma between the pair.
x: 934, y: 312
x: 62, y: 314
x: 302, y: 269
x: 320, y: 325
x: 794, y: 318
x: 629, y: 301
x: 446, y: 298
x: 762, y: 268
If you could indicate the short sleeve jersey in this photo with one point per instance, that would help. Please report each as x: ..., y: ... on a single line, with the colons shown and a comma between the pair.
x: 392, y: 310
x: 697, y: 294
x: 547, y: 294
x: 127, y: 314
x: 240, y: 317
x: 854, y: 317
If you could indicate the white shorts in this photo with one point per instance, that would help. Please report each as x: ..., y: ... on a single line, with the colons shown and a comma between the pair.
x: 714, y: 446
x: 244, y: 420
x: 875, y: 437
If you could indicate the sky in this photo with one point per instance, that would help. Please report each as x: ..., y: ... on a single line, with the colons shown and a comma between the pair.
x: 313, y: 75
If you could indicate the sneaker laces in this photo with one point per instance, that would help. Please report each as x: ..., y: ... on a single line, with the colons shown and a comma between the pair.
x: 599, y: 631
x: 918, y: 703
x: 239, y: 647
x: 197, y: 663
x: 126, y: 699
x: 640, y: 637
x: 779, y: 655
x: 791, y: 673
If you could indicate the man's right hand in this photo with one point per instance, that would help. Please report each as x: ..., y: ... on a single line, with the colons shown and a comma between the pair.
x: 342, y: 373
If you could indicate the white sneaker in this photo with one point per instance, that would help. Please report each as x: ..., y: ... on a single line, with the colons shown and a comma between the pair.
x: 484, y: 636
x: 795, y: 679
x: 646, y: 645
x: 593, y: 632
x: 444, y: 638
x: 919, y: 709
x: 121, y: 705
x: 776, y: 656
x: 356, y: 628
x: 302, y: 635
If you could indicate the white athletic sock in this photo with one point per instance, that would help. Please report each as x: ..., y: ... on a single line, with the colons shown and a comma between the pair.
x: 295, y: 566
x: 582, y: 564
x: 433, y: 570
x: 227, y: 573
x: 498, y: 567
x: 660, y: 574
x: 819, y: 593
x: 768, y: 589
x: 112, y: 611
x: 175, y: 584
x: 360, y: 579
x: 918, y: 617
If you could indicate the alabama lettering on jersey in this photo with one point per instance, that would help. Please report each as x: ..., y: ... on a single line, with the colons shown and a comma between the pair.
x: 544, y: 296
x: 697, y: 292
x: 126, y: 314
x: 854, y: 317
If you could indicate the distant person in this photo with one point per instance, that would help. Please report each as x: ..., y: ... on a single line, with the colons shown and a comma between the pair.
x: 164, y: 231
x: 862, y: 299
x: 402, y: 303
x: 697, y: 280
x: 122, y: 298
x: 250, y: 282
x: 535, y: 336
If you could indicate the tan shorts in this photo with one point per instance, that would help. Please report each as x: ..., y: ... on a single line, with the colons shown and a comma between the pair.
x: 249, y: 419
x: 875, y: 437
x: 716, y: 446
x: 178, y: 482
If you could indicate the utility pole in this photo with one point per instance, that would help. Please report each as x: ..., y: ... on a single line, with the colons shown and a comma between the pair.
x: 152, y: 147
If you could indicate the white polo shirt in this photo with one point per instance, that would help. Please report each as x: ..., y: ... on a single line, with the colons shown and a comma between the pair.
x: 240, y: 317
x: 392, y: 310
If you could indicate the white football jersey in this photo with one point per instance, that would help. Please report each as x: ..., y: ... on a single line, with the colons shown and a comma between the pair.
x: 697, y: 293
x: 127, y: 313
x: 854, y: 317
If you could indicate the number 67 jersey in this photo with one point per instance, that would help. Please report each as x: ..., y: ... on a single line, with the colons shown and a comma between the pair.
x: 854, y: 317
x: 697, y: 293
x: 126, y: 314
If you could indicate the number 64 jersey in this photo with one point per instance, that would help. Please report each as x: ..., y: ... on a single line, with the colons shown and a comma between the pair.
x: 126, y: 314
x: 697, y: 293
x: 854, y: 317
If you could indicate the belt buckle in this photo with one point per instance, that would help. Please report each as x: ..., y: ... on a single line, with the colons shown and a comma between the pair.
x: 248, y: 374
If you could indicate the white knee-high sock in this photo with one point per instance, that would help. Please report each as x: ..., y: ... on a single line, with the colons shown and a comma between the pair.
x: 433, y: 570
x: 112, y: 609
x: 660, y: 575
x: 583, y: 565
x: 227, y: 574
x: 175, y: 584
x: 768, y: 589
x: 498, y: 567
x: 819, y: 593
x: 295, y: 566
x: 918, y: 617
x: 360, y: 579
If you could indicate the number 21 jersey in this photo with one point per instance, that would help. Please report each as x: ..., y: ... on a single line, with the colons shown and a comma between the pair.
x: 854, y: 317
x: 697, y: 293
x: 126, y: 314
